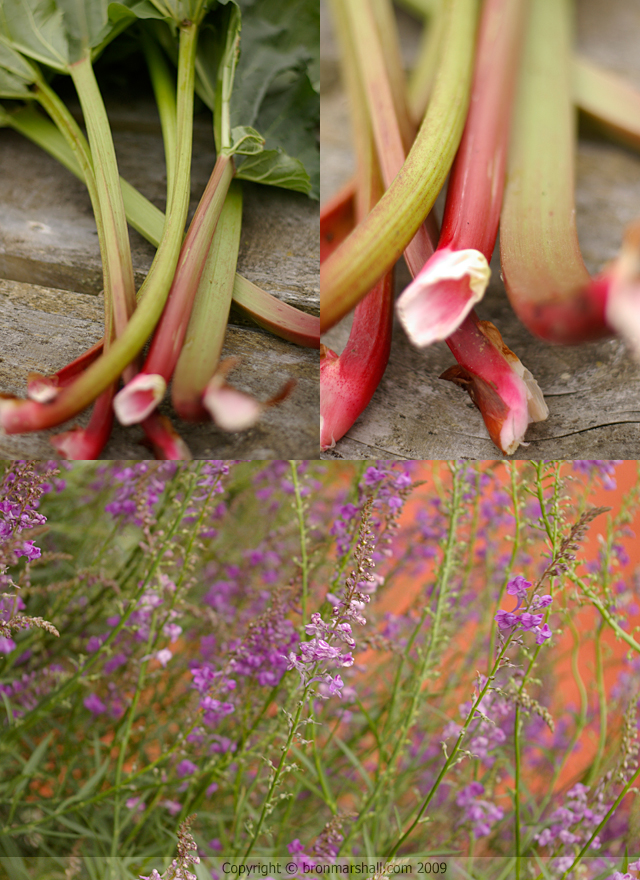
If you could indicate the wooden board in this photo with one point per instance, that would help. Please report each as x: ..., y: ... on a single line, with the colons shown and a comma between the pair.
x: 593, y: 391
x: 51, y: 304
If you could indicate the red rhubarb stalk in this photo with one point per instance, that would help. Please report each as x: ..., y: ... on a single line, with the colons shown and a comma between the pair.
x: 45, y: 388
x: 375, y: 245
x: 456, y: 276
x: 349, y: 380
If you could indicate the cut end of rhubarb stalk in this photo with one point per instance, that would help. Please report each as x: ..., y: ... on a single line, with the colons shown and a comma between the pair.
x: 41, y: 388
x: 509, y: 402
x: 234, y: 410
x: 74, y: 445
x: 139, y: 398
x: 442, y: 295
x: 623, y: 301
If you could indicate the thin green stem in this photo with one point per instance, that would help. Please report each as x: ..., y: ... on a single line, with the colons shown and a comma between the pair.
x: 277, y: 773
x: 451, y: 759
x: 602, y: 824
x: 304, y: 562
x: 602, y: 707
x: 441, y: 591
x: 516, y: 792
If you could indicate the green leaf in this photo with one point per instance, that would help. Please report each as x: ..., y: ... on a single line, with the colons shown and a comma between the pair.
x: 172, y: 11
x: 275, y: 168
x: 57, y: 32
x: 246, y: 141
x: 295, y: 100
x: 277, y: 36
x: 275, y: 88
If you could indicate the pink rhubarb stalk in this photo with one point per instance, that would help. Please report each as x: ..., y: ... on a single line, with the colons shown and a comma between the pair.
x: 456, y: 276
x: 143, y: 393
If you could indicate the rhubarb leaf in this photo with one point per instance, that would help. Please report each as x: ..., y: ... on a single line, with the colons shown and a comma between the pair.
x: 171, y: 11
x: 274, y: 89
x: 58, y: 32
x: 246, y: 141
x: 275, y: 168
x: 16, y: 74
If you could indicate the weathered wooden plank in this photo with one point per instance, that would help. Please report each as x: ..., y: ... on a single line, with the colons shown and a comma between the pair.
x: 593, y: 391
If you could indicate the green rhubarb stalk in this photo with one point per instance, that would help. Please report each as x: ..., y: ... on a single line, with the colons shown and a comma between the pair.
x: 208, y: 323
x: 165, y: 94
x: 607, y: 98
x: 372, y: 249
x: 117, y: 255
x: 423, y: 75
x: 265, y: 309
x: 142, y: 394
x: 19, y: 416
x: 546, y: 279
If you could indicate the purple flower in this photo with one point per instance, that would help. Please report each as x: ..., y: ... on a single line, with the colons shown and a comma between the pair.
x: 163, y: 656
x: 506, y: 619
x: 186, y: 768
x: 94, y: 704
x: 482, y: 814
x: 543, y: 633
x: 529, y: 621
x: 518, y: 587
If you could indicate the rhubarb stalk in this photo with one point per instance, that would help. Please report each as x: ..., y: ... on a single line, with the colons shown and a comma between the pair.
x: 205, y: 334
x: 547, y: 282
x: 375, y: 245
x: 349, y: 380
x: 445, y: 290
x: 504, y: 391
x: 265, y: 309
x: 18, y: 416
x: 143, y: 393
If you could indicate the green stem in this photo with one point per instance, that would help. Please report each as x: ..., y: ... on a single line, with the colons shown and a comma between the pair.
x: 266, y: 806
x: 599, y: 828
x: 74, y: 145
x: 516, y: 793
x: 304, y: 562
x: 602, y: 707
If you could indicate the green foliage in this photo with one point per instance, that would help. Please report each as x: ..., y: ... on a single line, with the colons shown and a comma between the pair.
x: 58, y: 32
